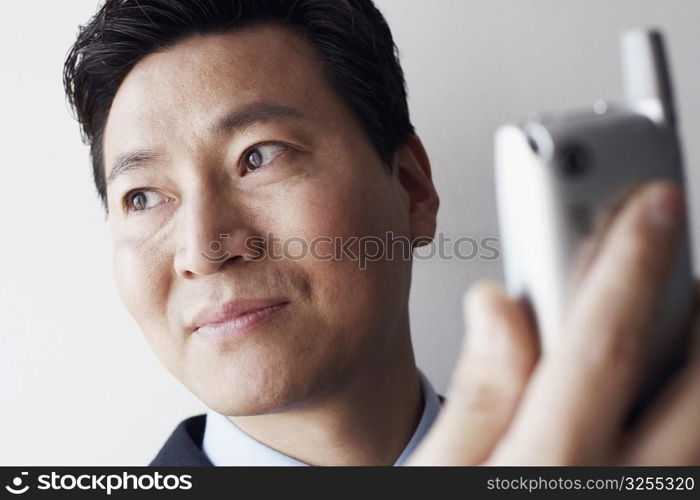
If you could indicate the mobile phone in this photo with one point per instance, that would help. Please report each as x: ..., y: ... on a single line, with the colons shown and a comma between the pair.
x: 555, y: 172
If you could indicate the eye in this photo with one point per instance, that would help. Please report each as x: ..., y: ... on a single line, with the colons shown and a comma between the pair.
x: 142, y: 199
x: 263, y: 155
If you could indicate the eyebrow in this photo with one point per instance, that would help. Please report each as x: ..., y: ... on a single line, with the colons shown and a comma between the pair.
x: 234, y: 121
x: 132, y: 160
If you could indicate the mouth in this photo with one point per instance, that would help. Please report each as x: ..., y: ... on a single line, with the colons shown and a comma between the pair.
x: 238, y: 321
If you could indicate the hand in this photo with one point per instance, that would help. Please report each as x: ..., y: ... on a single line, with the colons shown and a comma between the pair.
x: 510, y: 404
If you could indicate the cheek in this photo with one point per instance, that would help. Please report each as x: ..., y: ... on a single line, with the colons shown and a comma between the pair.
x: 339, y: 203
x: 141, y: 275
x: 340, y: 214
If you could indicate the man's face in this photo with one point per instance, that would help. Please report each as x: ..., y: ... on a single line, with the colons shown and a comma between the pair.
x: 196, y: 186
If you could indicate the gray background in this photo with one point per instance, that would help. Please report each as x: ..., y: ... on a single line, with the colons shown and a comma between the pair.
x: 79, y: 383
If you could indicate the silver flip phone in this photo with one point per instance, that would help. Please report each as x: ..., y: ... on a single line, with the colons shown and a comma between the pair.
x: 556, y: 171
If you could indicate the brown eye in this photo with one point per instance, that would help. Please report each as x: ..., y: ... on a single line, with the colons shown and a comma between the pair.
x: 138, y: 201
x: 254, y: 160
x: 263, y: 155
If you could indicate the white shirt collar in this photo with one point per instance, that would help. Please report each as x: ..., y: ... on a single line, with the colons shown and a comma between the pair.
x: 225, y: 444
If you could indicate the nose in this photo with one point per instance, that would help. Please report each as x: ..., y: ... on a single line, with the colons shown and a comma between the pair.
x: 211, y: 234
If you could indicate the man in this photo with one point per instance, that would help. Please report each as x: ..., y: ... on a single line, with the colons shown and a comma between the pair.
x: 246, y: 152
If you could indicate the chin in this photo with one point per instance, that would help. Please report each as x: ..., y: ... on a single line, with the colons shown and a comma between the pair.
x: 236, y: 391
x: 257, y: 388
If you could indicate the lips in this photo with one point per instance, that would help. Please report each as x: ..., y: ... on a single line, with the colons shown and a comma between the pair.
x: 236, y: 315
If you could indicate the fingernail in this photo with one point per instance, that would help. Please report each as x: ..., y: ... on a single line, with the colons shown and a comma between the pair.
x: 665, y: 207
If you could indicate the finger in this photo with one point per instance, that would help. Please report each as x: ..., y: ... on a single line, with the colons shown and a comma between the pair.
x: 589, y: 247
x: 498, y: 353
x: 669, y: 435
x: 581, y: 388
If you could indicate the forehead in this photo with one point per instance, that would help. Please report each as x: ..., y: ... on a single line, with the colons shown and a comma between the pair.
x: 202, y: 77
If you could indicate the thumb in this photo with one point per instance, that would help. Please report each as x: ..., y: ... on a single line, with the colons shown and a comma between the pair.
x: 498, y: 354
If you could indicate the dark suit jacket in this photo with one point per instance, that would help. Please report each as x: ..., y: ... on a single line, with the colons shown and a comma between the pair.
x: 184, y: 446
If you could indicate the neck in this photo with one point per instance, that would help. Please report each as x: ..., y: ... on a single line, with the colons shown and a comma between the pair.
x: 369, y: 422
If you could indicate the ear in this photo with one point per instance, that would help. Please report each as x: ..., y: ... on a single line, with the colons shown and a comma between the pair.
x: 415, y: 177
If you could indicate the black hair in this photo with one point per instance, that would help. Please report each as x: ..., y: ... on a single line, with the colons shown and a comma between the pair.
x: 351, y: 37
